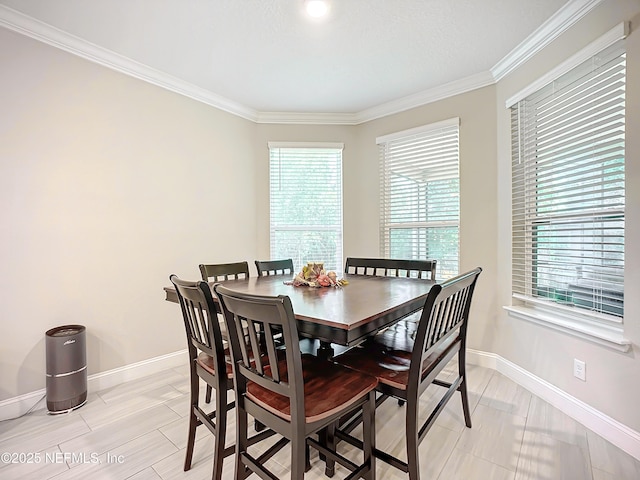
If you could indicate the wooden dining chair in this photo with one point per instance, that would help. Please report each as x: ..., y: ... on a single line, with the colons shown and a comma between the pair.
x: 293, y: 394
x: 206, y: 362
x: 391, y: 267
x: 218, y: 272
x: 406, y: 366
x: 267, y: 268
x: 274, y: 267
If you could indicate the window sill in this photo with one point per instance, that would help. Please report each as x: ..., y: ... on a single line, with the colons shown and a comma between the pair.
x: 607, y: 335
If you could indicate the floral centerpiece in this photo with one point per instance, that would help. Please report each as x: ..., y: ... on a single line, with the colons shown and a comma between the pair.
x: 313, y: 275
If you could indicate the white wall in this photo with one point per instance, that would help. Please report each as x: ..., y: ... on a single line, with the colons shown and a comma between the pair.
x: 107, y: 185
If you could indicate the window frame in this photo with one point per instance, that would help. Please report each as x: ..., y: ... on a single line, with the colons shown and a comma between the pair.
x: 422, y: 141
x: 331, y: 148
x: 598, y: 327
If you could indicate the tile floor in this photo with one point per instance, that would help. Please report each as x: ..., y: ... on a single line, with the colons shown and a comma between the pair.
x: 137, y: 431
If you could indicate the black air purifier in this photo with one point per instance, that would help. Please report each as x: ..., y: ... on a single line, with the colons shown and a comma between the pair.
x: 66, y: 368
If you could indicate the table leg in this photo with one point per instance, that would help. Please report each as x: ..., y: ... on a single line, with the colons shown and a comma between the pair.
x: 325, y: 351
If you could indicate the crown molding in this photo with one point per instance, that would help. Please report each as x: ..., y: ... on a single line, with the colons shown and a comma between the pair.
x: 297, y: 118
x: 396, y: 106
x: 562, y: 20
x: 568, y: 15
x: 440, y: 92
x: 618, y: 32
x: 43, y: 32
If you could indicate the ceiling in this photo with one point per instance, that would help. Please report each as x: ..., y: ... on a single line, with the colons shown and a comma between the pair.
x: 266, y: 57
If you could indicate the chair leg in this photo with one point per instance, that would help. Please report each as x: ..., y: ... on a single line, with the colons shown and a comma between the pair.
x: 369, y: 435
x: 242, y: 425
x: 463, y: 390
x: 298, y: 460
x: 307, y: 458
x: 328, y: 439
x: 207, y: 398
x: 412, y: 438
x: 221, y: 431
x: 193, y: 420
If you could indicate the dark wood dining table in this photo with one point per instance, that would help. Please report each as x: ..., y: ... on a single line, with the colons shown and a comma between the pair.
x: 345, y: 315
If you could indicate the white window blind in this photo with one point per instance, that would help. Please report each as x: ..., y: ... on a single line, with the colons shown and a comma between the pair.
x: 568, y: 180
x: 306, y: 204
x: 420, y: 195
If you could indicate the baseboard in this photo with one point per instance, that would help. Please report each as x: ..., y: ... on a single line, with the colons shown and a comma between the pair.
x: 111, y: 378
x: 608, y: 428
x: 17, y: 406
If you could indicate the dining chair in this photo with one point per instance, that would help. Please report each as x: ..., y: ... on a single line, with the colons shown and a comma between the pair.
x: 206, y: 362
x: 293, y: 394
x: 274, y: 267
x: 391, y: 267
x: 217, y: 272
x: 406, y: 366
x: 267, y: 268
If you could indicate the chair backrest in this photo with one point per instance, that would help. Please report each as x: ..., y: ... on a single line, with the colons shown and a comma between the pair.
x: 201, y: 321
x: 444, y: 320
x: 278, y: 370
x: 274, y: 267
x: 391, y: 267
x: 219, y: 272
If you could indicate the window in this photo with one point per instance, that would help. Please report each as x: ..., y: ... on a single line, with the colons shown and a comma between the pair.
x: 306, y: 203
x: 420, y: 195
x: 568, y: 180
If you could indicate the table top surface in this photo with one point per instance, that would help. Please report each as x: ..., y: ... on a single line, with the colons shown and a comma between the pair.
x: 341, y: 315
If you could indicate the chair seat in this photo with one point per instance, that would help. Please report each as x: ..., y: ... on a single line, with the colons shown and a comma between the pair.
x: 388, y: 357
x: 328, y: 388
x: 206, y: 362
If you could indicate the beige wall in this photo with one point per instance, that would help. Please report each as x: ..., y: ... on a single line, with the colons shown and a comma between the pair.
x: 611, y: 385
x: 108, y: 185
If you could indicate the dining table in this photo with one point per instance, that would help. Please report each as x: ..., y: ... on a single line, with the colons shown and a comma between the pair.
x: 344, y: 315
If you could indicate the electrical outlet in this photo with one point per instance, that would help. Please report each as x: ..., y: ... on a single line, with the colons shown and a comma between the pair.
x: 579, y: 369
